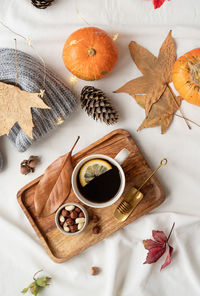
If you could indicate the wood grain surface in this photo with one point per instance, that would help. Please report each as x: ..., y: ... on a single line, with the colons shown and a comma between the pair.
x: 61, y: 247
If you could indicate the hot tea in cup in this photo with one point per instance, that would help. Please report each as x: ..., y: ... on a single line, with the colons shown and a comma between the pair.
x: 98, y: 180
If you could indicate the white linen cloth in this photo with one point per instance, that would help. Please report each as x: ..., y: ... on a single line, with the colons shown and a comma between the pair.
x: 120, y: 256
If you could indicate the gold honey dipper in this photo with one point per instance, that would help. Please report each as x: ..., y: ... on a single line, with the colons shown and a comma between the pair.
x: 133, y: 197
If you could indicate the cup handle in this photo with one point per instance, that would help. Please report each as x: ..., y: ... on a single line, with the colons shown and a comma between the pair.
x: 122, y: 155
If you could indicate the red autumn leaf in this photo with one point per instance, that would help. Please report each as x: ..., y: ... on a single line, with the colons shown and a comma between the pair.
x: 149, y: 244
x: 156, y: 248
x: 154, y: 254
x: 168, y: 259
x: 158, y: 3
x: 159, y: 236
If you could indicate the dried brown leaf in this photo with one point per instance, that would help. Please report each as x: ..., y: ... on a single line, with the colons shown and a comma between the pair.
x: 144, y: 59
x: 15, y: 106
x: 152, y: 88
x: 161, y: 113
x: 140, y: 85
x: 140, y: 99
x: 46, y: 184
x: 154, y: 96
x: 54, y: 186
x: 167, y: 58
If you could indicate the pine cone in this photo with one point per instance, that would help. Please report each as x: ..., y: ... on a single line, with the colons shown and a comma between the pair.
x: 42, y: 4
x: 97, y: 105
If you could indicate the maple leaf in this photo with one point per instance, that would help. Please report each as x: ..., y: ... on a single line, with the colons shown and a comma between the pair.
x: 151, y: 91
x: 15, y: 106
x: 157, y: 247
x: 158, y: 3
x: 168, y: 259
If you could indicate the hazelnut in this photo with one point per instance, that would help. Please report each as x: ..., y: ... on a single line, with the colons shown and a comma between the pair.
x: 81, y: 215
x: 73, y: 228
x: 65, y: 213
x: 73, y: 215
x: 95, y: 219
x: 70, y: 221
x: 78, y: 210
x: 94, y: 270
x: 96, y: 229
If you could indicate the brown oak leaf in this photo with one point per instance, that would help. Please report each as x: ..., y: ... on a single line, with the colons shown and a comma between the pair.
x: 157, y: 247
x: 54, y: 186
x: 15, y: 106
x: 151, y: 91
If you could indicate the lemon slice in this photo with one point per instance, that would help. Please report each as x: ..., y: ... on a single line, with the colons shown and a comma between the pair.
x: 91, y: 169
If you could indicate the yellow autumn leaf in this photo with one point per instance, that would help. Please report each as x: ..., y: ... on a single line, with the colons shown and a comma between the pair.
x: 15, y: 106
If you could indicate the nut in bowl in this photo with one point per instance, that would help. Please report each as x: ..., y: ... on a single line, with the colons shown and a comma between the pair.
x: 71, y: 218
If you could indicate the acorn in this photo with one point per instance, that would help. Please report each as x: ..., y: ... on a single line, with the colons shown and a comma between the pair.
x: 33, y: 161
x: 25, y: 169
x: 29, y: 165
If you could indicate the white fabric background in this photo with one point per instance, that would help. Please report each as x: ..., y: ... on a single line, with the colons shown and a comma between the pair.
x: 121, y: 255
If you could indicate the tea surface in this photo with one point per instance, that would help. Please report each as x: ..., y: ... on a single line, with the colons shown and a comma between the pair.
x: 102, y: 188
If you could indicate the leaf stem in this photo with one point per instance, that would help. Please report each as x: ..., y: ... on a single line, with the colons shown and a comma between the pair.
x: 75, y: 143
x: 36, y: 274
x: 170, y: 232
x: 186, y: 120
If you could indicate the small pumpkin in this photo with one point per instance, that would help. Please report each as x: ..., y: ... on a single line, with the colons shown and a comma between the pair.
x: 90, y: 53
x: 186, y: 76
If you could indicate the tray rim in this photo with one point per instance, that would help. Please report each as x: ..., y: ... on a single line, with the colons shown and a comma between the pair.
x: 34, y: 181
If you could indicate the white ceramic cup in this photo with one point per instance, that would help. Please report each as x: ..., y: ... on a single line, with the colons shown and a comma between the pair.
x: 117, y: 161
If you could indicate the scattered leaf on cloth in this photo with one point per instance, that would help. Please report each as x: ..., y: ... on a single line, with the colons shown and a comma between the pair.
x: 15, y: 106
x: 157, y: 247
x: 151, y: 91
x: 35, y: 286
x: 54, y: 186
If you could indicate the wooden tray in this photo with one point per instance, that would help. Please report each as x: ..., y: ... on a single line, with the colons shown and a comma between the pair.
x: 60, y: 247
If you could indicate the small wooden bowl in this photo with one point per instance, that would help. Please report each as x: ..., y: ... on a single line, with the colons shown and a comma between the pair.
x: 59, y: 211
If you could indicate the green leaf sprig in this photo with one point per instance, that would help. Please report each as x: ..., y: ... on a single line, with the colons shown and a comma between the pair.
x: 37, y: 284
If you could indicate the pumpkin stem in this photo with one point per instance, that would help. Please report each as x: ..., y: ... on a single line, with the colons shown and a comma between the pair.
x: 91, y: 52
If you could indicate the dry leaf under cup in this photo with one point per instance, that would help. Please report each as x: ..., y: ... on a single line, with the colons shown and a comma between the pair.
x: 54, y: 186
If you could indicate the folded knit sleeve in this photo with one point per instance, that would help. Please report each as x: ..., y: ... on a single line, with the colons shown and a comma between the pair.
x: 31, y: 78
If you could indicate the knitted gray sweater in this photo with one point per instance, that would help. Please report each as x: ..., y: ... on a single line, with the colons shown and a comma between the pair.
x: 30, y: 78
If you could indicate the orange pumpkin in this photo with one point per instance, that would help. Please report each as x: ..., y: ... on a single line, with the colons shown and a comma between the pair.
x: 90, y: 53
x: 186, y: 76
